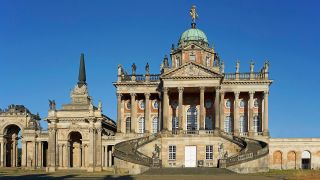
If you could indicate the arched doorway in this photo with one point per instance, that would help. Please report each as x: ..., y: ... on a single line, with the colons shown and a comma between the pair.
x: 75, y: 140
x: 306, y: 160
x: 192, y: 119
x: 12, y: 148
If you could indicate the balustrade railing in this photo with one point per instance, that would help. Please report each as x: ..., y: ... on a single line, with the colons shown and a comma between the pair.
x: 140, y: 77
x: 244, y: 76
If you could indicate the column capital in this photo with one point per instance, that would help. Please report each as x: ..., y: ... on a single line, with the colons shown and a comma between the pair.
x: 133, y: 94
x: 180, y: 89
x: 165, y: 89
x: 202, y: 88
x: 147, y: 95
x: 236, y: 94
x: 266, y: 92
x: 119, y: 95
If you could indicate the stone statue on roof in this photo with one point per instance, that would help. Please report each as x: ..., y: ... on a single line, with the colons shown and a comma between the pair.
x: 193, y: 14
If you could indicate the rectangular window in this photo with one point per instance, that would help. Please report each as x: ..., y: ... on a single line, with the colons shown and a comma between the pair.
x: 209, y: 152
x: 172, y: 152
x: 192, y: 57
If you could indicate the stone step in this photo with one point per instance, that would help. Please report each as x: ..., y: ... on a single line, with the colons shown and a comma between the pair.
x: 187, y: 171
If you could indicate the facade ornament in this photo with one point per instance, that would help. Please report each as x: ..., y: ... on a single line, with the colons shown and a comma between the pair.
x: 180, y: 89
x: 120, y: 70
x: 52, y: 104
x: 222, y: 67
x: 251, y: 66
x: 156, y: 152
x: 165, y: 62
x: 266, y: 66
x: 147, y: 69
x: 237, y: 66
x: 99, y: 105
x: 134, y: 68
x: 193, y: 14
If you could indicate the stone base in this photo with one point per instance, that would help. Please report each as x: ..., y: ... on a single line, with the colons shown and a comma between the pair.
x: 90, y: 169
x: 51, y: 169
x: 216, y: 132
x: 266, y: 133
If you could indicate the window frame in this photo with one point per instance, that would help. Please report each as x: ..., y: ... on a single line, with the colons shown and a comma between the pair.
x: 172, y: 152
x: 209, y: 152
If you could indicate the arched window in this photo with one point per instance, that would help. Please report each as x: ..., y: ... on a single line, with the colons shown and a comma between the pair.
x: 141, y: 125
x: 128, y: 124
x: 243, y: 124
x: 178, y: 61
x: 306, y: 160
x: 175, y: 123
x: 256, y: 124
x: 208, y: 122
x: 192, y: 119
x: 208, y: 62
x: 155, y: 125
x: 228, y: 124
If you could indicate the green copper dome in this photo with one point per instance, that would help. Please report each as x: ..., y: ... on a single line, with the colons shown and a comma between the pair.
x: 193, y: 34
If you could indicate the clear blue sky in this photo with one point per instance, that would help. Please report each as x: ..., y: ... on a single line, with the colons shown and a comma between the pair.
x: 41, y: 42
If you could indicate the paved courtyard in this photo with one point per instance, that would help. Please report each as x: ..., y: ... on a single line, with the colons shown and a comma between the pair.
x: 161, y: 174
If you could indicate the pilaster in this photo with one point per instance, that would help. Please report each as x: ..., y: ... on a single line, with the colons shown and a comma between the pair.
x: 251, y: 130
x: 133, y: 113
x: 266, y: 114
x: 165, y: 111
x: 180, y: 109
x: 236, y: 113
x: 216, y: 110
x: 222, y: 110
x: 202, y: 89
x: 147, y: 113
x: 119, y: 121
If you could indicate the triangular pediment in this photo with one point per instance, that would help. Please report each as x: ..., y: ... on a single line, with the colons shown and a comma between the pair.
x: 191, y: 70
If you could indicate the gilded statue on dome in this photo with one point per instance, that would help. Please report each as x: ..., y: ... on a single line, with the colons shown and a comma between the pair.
x: 193, y: 14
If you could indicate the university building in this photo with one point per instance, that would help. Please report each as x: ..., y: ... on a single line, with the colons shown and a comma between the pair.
x: 190, y: 114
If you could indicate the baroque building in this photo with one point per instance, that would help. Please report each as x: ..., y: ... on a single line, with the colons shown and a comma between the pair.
x: 190, y: 114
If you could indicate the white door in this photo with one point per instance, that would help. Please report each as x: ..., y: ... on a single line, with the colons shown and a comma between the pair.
x: 190, y: 156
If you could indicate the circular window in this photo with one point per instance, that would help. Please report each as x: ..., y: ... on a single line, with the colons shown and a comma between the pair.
x: 174, y: 104
x: 256, y: 103
x: 141, y: 104
x: 228, y: 103
x: 208, y: 103
x: 128, y: 105
x: 155, y: 104
x: 241, y: 103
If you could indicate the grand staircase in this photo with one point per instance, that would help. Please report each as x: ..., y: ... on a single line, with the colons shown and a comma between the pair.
x: 251, y: 149
x: 128, y: 150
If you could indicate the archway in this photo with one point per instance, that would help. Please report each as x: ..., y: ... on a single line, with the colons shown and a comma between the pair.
x: 291, y: 160
x: 12, y: 147
x: 277, y: 159
x: 75, y: 140
x: 192, y: 119
x: 306, y: 160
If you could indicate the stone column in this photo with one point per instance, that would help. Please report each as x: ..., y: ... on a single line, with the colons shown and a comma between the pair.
x: 236, y: 113
x: 147, y: 113
x: 266, y: 114
x: 119, y: 119
x: 60, y: 155
x: 1, y: 154
x: 222, y: 110
x: 98, y: 150
x: 65, y: 155
x: 68, y: 147
x: 92, y: 153
x: 52, y: 148
x: 35, y: 154
x: 110, y: 158
x: 14, y: 147
x: 202, y: 112
x: 165, y: 109
x: 133, y: 113
x: 180, y: 109
x: 23, y: 155
x: 251, y: 130
x: 216, y: 110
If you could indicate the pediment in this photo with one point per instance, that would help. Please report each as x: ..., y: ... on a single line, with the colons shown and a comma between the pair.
x: 191, y: 70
